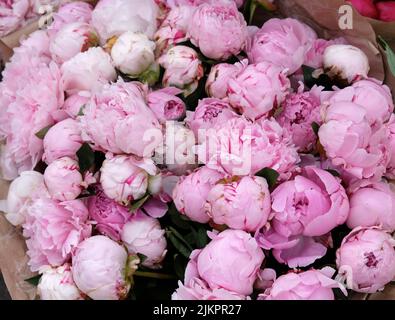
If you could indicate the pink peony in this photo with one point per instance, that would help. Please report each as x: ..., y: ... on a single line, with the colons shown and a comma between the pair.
x: 372, y: 204
x: 109, y: 215
x: 391, y: 165
x: 87, y: 70
x: 53, y: 230
x: 100, y: 269
x: 209, y: 113
x: 111, y: 18
x: 63, y: 179
x: 235, y: 271
x: 75, y: 104
x: 144, y: 235
x: 183, y: 68
x: 371, y: 95
x: 117, y: 119
x: 366, y: 8
x: 230, y: 28
x: 366, y: 259
x: 72, y: 39
x: 191, y: 193
x: 258, y: 89
x: 166, y: 105
x: 62, y: 140
x: 240, y: 203
x: 241, y: 147
x: 351, y: 143
x: 14, y: 14
x: 314, y: 58
x: 308, y: 285
x: 58, y: 284
x: 299, y: 111
x: 283, y: 42
x: 386, y: 10
x: 217, y: 81
x: 125, y: 179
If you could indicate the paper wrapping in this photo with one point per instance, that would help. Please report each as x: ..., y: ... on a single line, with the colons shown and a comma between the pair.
x: 323, y: 16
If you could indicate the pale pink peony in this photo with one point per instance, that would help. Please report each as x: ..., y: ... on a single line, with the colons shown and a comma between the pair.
x: 283, y: 42
x: 144, y: 235
x: 366, y: 259
x: 100, y: 269
x: 241, y: 147
x: 299, y: 111
x: 14, y: 14
x: 110, y: 216
x: 240, y: 203
x: 191, y: 193
x: 209, y: 112
x: 53, y: 230
x: 87, y: 70
x: 58, y: 284
x: 391, y: 165
x: 183, y: 68
x: 308, y: 285
x: 230, y: 28
x: 351, y: 143
x: 125, y: 179
x: 75, y: 104
x: 72, y: 39
x: 257, y: 89
x: 372, y: 204
x: 117, y: 119
x: 166, y: 105
x: 314, y: 58
x: 111, y: 18
x: 62, y: 140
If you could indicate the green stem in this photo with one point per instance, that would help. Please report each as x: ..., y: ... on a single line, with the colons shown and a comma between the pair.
x: 154, y: 275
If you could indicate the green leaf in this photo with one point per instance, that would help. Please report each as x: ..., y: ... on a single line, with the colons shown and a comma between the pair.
x: 177, y: 219
x: 180, y: 264
x: 316, y: 127
x: 151, y: 75
x: 253, y: 7
x: 270, y: 175
x: 142, y: 257
x: 201, y: 237
x: 42, y: 133
x: 86, y: 157
x: 138, y: 203
x: 390, y: 54
x: 81, y: 111
x: 179, y: 242
x: 34, y: 281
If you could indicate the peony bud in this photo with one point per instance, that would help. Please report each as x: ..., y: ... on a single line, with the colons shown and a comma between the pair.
x: 166, y: 105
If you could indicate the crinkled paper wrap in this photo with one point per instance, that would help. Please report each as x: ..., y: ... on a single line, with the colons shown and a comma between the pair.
x: 322, y: 15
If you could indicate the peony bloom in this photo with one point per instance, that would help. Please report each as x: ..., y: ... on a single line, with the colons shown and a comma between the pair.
x: 386, y: 10
x: 173, y: 29
x: 351, y: 143
x: 391, y: 165
x: 100, y: 269
x: 235, y: 271
x: 311, y: 205
x: 230, y: 28
x: 217, y: 81
x: 72, y: 39
x: 283, y: 42
x: 110, y: 216
x: 111, y: 18
x: 77, y: 11
x: 62, y: 140
x: 144, y: 235
x: 58, y: 284
x: 87, y: 70
x: 14, y: 14
x: 366, y: 8
x: 190, y: 193
x: 308, y: 285
x: 166, y: 105
x: 257, y: 89
x: 370, y: 94
x: 76, y: 103
x: 366, y: 259
x: 346, y: 62
x: 372, y: 204
x: 133, y: 53
x: 125, y: 179
x: 240, y: 203
x: 53, y: 230
x: 183, y: 68
x: 63, y: 179
x: 117, y: 119
x: 299, y: 111
x: 314, y: 58
x: 241, y: 147
x: 21, y: 193
x: 209, y: 113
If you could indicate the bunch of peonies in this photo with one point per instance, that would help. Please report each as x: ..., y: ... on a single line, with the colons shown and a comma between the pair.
x: 381, y: 10
x: 167, y: 139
